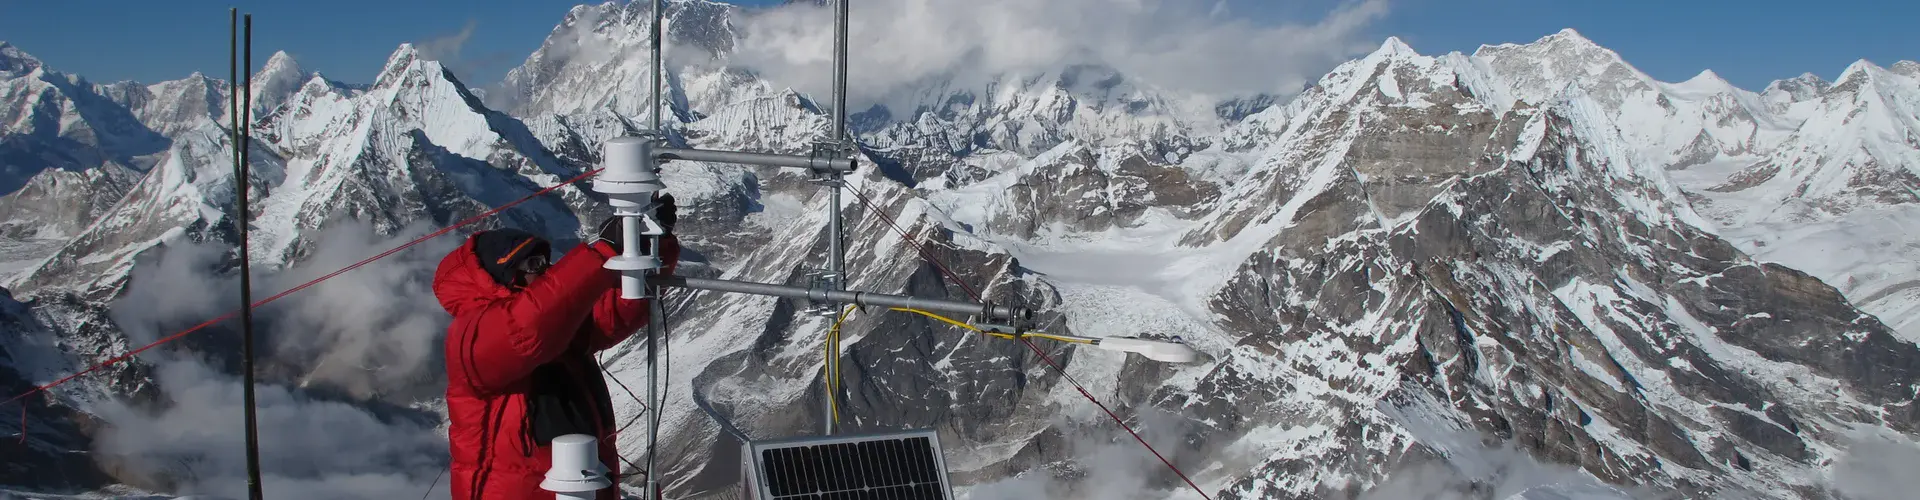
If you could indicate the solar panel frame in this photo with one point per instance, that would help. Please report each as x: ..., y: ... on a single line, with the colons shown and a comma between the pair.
x: 892, y: 461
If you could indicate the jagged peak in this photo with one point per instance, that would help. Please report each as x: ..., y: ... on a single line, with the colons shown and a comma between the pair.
x: 281, y: 66
x: 1707, y: 82
x: 280, y: 60
x: 402, y: 58
x: 404, y: 54
x: 195, y: 82
x: 1861, y: 67
x: 1706, y: 76
x: 1567, y: 39
x: 1394, y: 47
x: 1908, y: 68
x: 15, y: 62
x: 1804, y: 81
x: 191, y: 77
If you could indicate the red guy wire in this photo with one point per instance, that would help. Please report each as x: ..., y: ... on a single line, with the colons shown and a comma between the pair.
x: 303, y: 286
x: 924, y: 253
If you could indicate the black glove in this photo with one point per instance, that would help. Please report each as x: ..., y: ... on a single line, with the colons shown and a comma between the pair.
x: 610, y: 228
x: 667, y: 212
x: 610, y: 232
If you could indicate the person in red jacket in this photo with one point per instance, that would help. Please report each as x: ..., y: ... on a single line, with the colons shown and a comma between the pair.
x: 520, y: 366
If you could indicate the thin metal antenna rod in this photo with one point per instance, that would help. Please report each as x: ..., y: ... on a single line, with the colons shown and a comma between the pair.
x: 658, y: 66
x: 242, y: 141
x: 840, y: 71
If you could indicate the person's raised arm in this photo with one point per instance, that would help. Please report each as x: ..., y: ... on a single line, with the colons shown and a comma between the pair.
x: 515, y: 334
x: 614, y: 318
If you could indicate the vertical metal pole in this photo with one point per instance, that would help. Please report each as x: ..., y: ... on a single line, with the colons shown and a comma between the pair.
x: 658, y: 65
x: 656, y: 323
x: 836, y: 261
x: 254, y: 491
x: 840, y: 71
x: 655, y: 313
x: 836, y: 253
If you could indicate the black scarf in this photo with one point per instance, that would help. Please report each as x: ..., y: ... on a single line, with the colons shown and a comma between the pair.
x: 562, y: 402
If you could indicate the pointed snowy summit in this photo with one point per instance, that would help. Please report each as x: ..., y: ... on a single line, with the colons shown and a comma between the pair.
x: 1394, y: 47
x: 277, y: 81
x: 402, y: 58
x: 1707, y: 76
x: 1570, y: 37
x: 1705, y: 83
x: 1859, y: 69
x: 281, y: 61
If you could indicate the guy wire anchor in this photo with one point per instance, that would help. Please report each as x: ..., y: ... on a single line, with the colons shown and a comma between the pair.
x: 629, y: 180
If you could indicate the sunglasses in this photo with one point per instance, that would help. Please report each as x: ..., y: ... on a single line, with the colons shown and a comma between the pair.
x: 533, y: 264
x: 529, y: 268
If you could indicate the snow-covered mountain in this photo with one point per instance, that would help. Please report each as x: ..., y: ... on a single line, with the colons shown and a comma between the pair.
x: 1840, y: 198
x: 1647, y: 286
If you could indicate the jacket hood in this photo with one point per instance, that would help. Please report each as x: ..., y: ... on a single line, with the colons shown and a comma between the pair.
x: 460, y: 282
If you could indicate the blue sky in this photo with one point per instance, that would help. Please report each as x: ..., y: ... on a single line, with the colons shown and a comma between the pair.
x: 1749, y: 43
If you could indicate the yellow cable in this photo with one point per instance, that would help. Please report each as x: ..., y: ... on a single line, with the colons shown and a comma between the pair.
x: 830, y: 370
x: 948, y: 320
x: 957, y: 323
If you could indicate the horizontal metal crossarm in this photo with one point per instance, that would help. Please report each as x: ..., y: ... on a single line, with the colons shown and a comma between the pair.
x: 810, y: 162
x: 996, y: 312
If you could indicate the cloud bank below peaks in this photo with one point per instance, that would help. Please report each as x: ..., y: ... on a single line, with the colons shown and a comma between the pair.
x: 1190, y: 46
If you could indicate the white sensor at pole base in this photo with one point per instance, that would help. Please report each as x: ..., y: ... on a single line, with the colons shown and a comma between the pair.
x: 1166, y: 352
x: 577, y: 471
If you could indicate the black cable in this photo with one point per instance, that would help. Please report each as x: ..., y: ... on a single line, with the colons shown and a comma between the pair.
x: 666, y: 354
x: 636, y: 399
x: 436, y: 484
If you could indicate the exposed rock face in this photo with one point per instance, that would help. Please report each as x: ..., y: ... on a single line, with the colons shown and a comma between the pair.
x: 47, y: 338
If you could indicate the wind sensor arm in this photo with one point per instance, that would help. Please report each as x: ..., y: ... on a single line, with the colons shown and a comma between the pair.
x: 1174, y: 351
x: 1165, y: 352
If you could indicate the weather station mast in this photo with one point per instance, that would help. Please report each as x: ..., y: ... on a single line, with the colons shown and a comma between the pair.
x: 905, y: 463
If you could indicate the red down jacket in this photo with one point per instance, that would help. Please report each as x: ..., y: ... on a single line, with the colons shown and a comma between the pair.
x: 497, y: 340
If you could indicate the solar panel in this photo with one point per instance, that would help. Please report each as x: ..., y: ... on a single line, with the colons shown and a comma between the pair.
x: 893, y: 466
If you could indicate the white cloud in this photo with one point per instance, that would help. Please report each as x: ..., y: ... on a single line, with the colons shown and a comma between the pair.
x: 309, y: 448
x: 1114, y: 465
x: 1195, y: 46
x: 447, y: 48
x: 1877, y: 466
x: 365, y: 337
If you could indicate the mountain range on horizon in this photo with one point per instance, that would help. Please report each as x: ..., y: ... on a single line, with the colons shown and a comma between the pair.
x: 1527, y: 271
